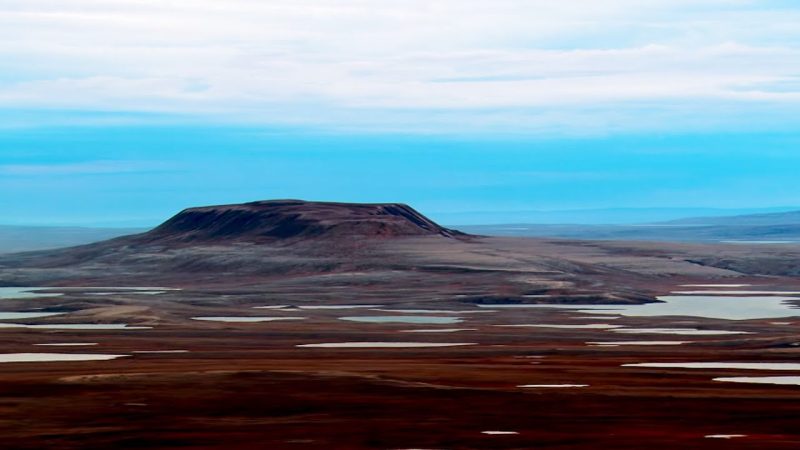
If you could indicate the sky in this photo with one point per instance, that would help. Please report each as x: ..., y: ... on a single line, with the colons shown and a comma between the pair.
x: 123, y: 112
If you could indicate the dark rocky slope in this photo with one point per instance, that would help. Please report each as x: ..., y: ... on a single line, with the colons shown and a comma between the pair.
x: 276, y: 220
x: 267, y: 238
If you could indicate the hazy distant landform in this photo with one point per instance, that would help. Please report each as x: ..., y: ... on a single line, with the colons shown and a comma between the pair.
x: 772, y: 228
x: 15, y: 238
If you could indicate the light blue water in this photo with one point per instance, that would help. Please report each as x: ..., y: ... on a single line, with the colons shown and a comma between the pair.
x: 788, y: 381
x: 714, y: 307
x: 729, y: 307
x: 403, y: 319
x: 25, y: 315
x: 721, y: 365
x: 7, y: 293
x: 75, y: 326
x: 52, y: 357
x: 245, y: 319
x: 384, y: 345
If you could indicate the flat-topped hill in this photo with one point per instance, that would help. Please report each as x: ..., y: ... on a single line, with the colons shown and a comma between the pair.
x: 295, y: 219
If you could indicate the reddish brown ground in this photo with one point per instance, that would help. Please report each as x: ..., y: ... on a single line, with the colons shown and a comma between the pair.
x: 246, y: 386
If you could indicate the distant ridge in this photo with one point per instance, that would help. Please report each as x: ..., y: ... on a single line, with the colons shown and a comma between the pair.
x: 764, y: 219
x: 15, y: 238
x: 275, y: 220
x: 777, y: 228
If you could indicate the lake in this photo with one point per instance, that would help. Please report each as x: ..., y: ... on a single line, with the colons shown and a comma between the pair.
x: 384, y: 345
x: 54, y: 357
x: 404, y: 319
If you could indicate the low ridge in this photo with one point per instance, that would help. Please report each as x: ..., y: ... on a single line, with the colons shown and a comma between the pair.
x: 295, y: 219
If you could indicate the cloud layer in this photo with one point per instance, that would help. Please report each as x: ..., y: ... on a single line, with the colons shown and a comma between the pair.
x: 451, y: 65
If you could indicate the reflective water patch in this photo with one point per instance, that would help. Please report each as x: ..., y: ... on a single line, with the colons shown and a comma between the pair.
x: 384, y: 345
x: 54, y: 357
x: 245, y: 319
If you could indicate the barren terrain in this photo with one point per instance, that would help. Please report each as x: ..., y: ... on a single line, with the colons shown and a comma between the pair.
x: 531, y: 377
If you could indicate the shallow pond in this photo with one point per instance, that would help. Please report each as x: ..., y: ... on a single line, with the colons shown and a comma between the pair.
x: 75, y: 326
x: 68, y: 344
x: 761, y: 242
x: 715, y: 307
x: 245, y: 319
x: 440, y: 330
x: 53, y: 357
x: 160, y: 351
x: 711, y: 304
x: 720, y: 365
x: 678, y: 331
x: 403, y: 319
x: 716, y: 285
x: 591, y: 326
x: 385, y: 345
x: 27, y: 291
x: 786, y: 381
x: 432, y: 311
x: 339, y: 306
x: 22, y: 292
x: 618, y: 343
x: 738, y: 292
x: 552, y: 386
x: 25, y: 315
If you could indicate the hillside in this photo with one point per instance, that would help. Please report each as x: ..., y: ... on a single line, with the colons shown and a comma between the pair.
x: 277, y: 220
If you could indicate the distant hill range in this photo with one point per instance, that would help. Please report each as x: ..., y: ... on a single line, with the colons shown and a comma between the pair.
x: 767, y: 219
x: 29, y: 238
x: 783, y: 227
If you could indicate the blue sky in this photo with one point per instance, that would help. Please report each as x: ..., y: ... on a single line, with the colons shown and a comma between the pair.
x: 125, y: 111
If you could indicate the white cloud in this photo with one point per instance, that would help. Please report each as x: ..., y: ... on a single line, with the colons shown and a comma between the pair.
x: 407, y: 65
